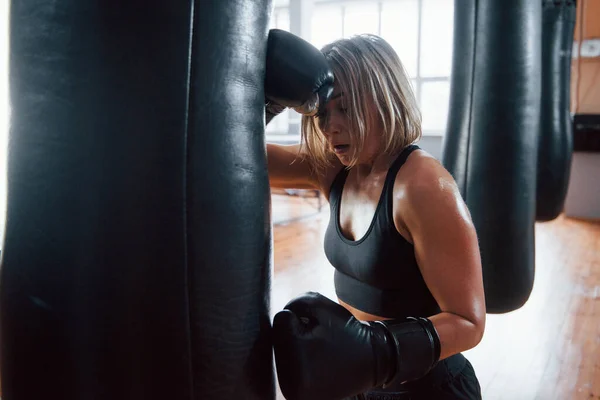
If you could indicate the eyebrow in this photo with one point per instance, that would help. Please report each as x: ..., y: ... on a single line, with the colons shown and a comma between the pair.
x: 340, y: 94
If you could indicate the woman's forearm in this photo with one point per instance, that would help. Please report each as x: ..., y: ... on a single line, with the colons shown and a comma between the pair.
x: 457, y: 333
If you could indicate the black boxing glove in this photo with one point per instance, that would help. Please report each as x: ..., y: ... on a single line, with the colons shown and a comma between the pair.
x: 323, y: 352
x: 297, y: 75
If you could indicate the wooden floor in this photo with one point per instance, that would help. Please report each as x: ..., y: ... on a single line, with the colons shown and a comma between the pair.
x: 547, y: 350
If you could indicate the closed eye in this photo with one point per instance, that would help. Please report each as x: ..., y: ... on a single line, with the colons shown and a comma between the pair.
x: 321, y: 113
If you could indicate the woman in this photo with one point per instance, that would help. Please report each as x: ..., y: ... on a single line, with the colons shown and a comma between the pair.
x: 400, y: 236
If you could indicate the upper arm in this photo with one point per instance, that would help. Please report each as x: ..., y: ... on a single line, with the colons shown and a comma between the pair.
x: 445, y: 241
x: 290, y: 169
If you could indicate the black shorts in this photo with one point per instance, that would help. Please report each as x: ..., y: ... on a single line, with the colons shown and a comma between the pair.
x: 452, y: 379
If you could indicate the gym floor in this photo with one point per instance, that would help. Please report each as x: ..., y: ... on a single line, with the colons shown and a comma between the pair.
x: 547, y: 350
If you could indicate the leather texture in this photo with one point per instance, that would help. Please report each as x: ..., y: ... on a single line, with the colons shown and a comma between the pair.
x: 556, y: 124
x: 491, y: 143
x: 298, y: 74
x: 136, y: 260
x: 323, y: 353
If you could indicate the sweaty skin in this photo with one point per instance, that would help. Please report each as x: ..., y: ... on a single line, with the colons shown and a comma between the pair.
x: 428, y: 212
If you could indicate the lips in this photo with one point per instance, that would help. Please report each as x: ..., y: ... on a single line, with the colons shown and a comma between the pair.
x: 341, y: 148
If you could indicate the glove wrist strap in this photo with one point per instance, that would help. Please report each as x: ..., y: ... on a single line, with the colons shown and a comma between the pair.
x: 384, y: 349
x: 415, y: 348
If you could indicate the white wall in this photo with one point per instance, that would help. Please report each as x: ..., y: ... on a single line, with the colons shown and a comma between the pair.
x: 583, y: 197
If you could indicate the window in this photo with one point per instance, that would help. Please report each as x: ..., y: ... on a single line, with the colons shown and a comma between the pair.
x: 421, y: 32
x: 399, y: 22
x: 435, y: 64
x: 278, y: 129
x: 326, y: 24
x: 280, y: 19
x: 360, y: 17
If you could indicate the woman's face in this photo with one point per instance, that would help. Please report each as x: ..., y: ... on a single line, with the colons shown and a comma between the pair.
x: 334, y: 122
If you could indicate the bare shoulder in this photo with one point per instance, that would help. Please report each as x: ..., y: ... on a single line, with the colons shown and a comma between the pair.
x: 425, y: 189
x: 423, y: 174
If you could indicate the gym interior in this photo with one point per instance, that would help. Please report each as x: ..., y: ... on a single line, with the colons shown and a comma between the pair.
x: 144, y: 253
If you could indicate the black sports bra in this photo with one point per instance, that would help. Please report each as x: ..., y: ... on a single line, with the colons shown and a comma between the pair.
x: 377, y: 273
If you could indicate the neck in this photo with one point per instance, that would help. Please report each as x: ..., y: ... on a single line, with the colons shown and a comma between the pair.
x: 374, y: 165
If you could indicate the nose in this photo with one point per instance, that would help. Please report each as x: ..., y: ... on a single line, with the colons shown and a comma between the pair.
x: 327, y: 126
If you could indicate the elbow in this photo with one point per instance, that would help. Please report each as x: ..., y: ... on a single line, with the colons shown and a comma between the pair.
x: 476, y: 320
x: 472, y: 329
x: 477, y: 329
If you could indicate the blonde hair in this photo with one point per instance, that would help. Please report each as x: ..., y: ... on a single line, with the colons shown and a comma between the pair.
x: 370, y: 74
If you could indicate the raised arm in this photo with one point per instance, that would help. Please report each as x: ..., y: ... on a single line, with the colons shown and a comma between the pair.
x: 298, y: 77
x: 288, y: 169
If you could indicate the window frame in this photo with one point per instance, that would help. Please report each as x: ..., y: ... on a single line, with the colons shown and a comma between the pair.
x: 417, y: 80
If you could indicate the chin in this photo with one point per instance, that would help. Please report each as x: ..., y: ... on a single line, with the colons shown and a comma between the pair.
x: 344, y: 160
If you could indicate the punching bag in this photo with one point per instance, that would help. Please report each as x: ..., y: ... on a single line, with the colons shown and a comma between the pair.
x: 136, y: 260
x: 556, y: 124
x: 458, y: 127
x: 491, y: 140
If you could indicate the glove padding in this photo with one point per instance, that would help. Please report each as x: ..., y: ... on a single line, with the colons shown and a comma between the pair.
x: 297, y: 75
x: 323, y: 352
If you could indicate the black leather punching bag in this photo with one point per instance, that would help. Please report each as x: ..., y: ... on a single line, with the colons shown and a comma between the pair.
x: 491, y: 139
x: 458, y: 128
x: 556, y: 124
x: 136, y: 261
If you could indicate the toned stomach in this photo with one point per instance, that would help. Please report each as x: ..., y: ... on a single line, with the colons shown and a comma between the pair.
x: 361, y: 315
